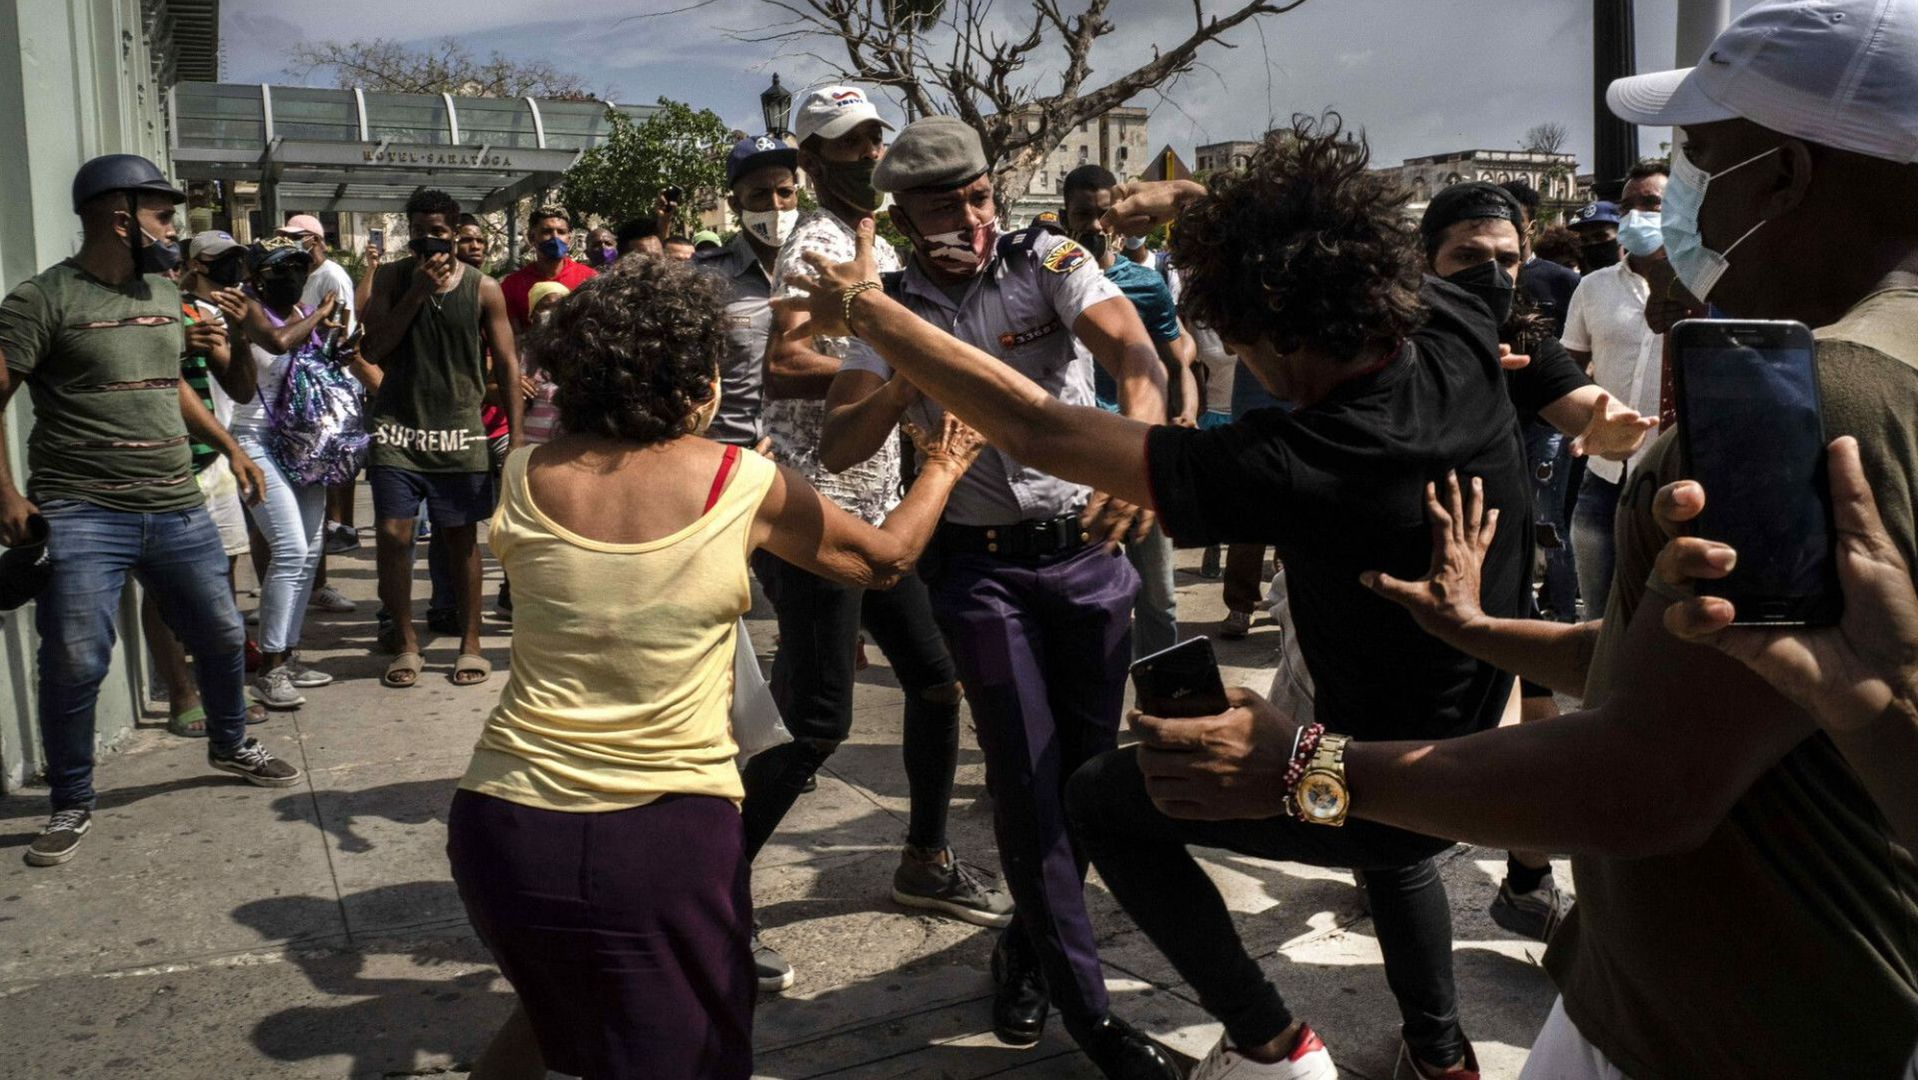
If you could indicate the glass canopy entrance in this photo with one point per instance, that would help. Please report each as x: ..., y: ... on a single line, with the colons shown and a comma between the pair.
x: 324, y: 149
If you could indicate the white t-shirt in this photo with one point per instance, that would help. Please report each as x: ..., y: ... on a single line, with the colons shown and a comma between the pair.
x: 331, y: 277
x: 269, y: 373
x: 1607, y: 319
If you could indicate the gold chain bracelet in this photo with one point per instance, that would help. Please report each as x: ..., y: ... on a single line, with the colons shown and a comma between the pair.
x: 847, y: 296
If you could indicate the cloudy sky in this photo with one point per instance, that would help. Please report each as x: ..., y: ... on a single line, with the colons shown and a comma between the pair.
x: 1421, y: 76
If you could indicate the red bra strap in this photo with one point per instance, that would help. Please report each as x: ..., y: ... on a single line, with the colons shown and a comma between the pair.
x: 719, y: 482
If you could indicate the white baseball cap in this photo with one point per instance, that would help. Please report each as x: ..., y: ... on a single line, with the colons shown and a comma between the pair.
x: 1838, y: 73
x: 831, y: 111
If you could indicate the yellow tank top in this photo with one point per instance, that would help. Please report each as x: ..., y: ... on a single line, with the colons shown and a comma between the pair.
x: 621, y: 684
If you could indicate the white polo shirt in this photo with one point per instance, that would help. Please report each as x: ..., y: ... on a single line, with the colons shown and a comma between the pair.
x: 1607, y: 319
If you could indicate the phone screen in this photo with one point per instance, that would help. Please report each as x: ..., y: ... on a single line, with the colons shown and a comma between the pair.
x: 1755, y: 440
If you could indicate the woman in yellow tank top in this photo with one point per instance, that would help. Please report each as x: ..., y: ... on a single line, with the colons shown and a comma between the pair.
x: 595, y: 838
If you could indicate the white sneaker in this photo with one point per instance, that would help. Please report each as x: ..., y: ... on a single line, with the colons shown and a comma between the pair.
x: 1309, y: 1060
x: 331, y: 599
x: 274, y: 689
x: 304, y: 677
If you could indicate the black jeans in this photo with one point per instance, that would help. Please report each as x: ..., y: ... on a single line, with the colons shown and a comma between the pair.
x: 812, y: 682
x: 1141, y: 854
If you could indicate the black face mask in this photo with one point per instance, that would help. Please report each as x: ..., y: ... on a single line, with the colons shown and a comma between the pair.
x: 1599, y: 254
x: 150, y: 256
x: 1094, y: 242
x: 282, y: 292
x: 430, y: 245
x: 1491, y: 284
x: 227, y: 272
x: 851, y: 183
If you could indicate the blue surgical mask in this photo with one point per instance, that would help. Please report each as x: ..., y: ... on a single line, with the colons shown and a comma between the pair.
x: 1641, y: 233
x: 1697, y: 266
x: 553, y: 248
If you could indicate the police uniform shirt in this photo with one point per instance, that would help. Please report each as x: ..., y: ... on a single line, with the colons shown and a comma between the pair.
x: 1021, y: 309
x: 749, y: 322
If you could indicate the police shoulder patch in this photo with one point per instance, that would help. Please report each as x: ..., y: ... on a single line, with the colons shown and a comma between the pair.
x: 1065, y: 258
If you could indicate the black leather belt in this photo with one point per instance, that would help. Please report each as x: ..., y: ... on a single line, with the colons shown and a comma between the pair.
x: 1020, y: 540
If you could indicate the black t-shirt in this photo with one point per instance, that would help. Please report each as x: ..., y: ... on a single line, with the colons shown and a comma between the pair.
x: 1549, y: 286
x: 1551, y: 375
x: 1338, y: 488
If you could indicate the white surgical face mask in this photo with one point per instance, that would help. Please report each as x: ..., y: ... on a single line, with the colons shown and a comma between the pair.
x: 1697, y: 266
x: 769, y: 227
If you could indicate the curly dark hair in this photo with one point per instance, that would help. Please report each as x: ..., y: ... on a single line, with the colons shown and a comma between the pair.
x: 634, y: 350
x: 433, y: 201
x: 1304, y: 248
x: 1556, y: 243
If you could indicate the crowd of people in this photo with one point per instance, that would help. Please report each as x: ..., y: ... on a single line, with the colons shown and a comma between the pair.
x: 978, y: 450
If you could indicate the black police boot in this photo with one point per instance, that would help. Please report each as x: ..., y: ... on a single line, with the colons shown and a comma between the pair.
x: 1123, y: 1052
x: 1019, y: 1001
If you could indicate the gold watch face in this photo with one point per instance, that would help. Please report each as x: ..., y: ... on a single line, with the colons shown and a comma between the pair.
x: 1322, y: 795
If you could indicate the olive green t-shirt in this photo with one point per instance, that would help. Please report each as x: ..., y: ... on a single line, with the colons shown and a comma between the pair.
x: 1786, y: 945
x: 102, y: 366
x: 426, y: 416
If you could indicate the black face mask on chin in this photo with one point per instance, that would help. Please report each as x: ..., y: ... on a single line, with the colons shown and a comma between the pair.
x: 1599, y: 254
x: 1094, y: 242
x: 1491, y: 284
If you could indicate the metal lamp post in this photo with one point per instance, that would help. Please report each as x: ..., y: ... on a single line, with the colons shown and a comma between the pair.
x: 775, y: 104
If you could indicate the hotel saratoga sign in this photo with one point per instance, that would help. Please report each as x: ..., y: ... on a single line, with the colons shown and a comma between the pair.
x: 436, y: 157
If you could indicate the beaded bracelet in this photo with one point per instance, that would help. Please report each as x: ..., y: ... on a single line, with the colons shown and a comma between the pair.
x: 852, y: 291
x: 1302, y: 751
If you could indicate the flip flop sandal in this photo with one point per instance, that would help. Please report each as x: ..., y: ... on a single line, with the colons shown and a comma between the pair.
x: 257, y: 713
x: 189, y: 724
x: 404, y: 672
x: 470, y: 664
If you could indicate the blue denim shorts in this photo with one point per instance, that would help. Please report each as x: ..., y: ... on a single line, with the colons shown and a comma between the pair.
x: 452, y: 499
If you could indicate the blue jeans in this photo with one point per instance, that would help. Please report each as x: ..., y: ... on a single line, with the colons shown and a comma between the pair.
x: 292, y: 517
x: 1592, y: 536
x: 1155, y: 614
x: 1551, y: 457
x: 178, y: 557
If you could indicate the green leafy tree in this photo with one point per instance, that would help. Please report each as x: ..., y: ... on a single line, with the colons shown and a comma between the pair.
x: 622, y: 177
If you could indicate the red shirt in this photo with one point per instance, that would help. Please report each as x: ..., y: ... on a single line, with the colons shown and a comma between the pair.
x: 519, y: 283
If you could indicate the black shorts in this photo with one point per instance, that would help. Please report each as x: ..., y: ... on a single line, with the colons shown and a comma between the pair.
x: 452, y: 499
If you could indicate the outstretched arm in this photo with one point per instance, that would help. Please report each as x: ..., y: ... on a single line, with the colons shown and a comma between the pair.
x: 1085, y: 445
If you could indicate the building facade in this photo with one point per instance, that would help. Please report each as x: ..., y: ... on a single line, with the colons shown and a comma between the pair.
x: 1554, y: 175
x: 78, y: 78
x: 1116, y: 140
x: 1222, y: 156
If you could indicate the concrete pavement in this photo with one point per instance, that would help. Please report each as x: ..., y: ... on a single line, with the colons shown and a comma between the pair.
x: 208, y: 928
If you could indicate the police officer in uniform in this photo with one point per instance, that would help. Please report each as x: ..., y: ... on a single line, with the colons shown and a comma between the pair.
x: 763, y: 190
x: 1027, y: 586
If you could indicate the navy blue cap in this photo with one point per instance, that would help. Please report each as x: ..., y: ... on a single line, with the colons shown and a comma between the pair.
x: 1602, y: 212
x: 754, y: 151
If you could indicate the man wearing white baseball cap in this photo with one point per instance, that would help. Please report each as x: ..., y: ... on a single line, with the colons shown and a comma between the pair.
x: 1745, y: 881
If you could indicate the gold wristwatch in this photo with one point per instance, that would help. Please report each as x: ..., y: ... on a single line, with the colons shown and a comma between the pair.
x: 1321, y: 796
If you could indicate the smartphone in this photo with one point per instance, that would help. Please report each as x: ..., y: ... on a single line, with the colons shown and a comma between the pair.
x: 376, y: 238
x: 674, y: 193
x: 1751, y: 432
x: 1180, y: 681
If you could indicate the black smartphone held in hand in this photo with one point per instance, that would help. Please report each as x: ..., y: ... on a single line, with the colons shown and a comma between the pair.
x: 376, y: 239
x: 674, y: 194
x: 1180, y: 681
x: 1751, y: 432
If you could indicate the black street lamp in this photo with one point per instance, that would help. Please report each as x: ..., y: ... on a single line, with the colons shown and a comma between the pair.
x: 774, y: 105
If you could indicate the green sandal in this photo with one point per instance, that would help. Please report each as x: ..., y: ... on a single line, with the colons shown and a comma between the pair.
x: 189, y: 724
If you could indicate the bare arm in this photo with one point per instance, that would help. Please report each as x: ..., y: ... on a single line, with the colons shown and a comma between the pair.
x: 498, y: 331
x: 14, y: 507
x: 862, y: 410
x: 794, y: 369
x: 805, y: 528
x: 238, y: 375
x: 286, y: 338
x: 1181, y: 357
x: 369, y: 269
x: 1119, y: 343
x: 1599, y: 425
x: 202, y: 425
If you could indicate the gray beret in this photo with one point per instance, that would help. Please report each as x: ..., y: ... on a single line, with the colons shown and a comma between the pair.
x: 936, y: 152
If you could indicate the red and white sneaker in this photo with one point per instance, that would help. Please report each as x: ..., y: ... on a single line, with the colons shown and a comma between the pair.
x: 1409, y: 1066
x: 1309, y: 1060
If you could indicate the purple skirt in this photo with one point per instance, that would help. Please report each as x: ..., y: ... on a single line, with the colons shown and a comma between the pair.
x: 626, y: 934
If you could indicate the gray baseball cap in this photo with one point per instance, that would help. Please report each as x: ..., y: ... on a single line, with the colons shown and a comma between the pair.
x: 934, y: 153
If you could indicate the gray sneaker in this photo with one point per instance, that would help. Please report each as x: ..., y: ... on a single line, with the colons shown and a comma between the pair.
x: 1534, y: 914
x: 775, y: 974
x: 951, y: 887
x: 304, y: 677
x: 61, y: 837
x: 251, y: 762
x: 274, y: 689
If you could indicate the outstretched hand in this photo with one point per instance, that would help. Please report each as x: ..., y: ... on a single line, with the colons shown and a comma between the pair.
x: 821, y: 292
x: 1845, y: 676
x: 1446, y: 599
x: 1614, y: 432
